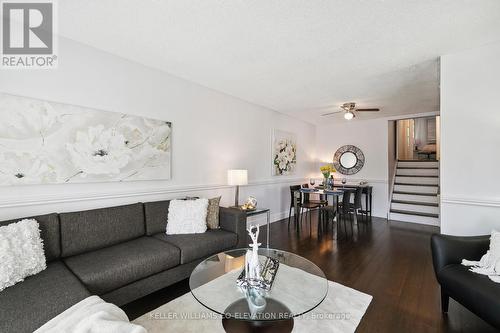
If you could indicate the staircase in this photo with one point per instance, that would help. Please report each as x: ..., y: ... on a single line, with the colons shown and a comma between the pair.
x: 415, y: 193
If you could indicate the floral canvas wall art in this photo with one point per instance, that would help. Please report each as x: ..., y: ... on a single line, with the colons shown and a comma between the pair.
x: 44, y: 142
x: 284, y: 153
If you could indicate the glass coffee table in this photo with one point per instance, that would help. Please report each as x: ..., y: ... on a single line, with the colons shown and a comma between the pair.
x: 299, y: 287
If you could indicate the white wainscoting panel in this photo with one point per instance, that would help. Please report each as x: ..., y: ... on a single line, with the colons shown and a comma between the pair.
x: 466, y: 216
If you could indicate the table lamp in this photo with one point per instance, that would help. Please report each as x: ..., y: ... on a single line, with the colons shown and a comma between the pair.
x: 237, y: 178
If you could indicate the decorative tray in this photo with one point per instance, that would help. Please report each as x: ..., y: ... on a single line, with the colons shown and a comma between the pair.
x: 268, y: 274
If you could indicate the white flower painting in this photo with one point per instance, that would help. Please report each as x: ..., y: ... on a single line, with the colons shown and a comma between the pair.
x: 44, y: 142
x: 284, y: 153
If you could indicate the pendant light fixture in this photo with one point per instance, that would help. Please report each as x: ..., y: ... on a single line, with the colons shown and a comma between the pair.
x: 348, y: 115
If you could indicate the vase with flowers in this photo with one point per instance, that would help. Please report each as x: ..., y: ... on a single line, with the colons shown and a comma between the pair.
x: 327, y: 171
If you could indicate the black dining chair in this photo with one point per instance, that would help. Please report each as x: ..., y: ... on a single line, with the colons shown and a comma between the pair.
x: 293, y: 189
x: 309, y: 205
x: 355, y: 206
x: 322, y: 198
x: 303, y: 203
x: 367, y: 210
x: 327, y: 214
x: 345, y: 209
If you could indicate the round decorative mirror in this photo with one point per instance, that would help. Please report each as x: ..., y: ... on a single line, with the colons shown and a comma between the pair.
x: 348, y: 160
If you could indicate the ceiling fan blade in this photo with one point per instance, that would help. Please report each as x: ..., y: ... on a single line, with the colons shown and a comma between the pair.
x: 330, y: 113
x: 367, y: 110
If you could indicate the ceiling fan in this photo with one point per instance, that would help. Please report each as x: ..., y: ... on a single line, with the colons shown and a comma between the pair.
x: 349, y: 109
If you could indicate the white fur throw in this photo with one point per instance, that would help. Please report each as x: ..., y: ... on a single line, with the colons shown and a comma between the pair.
x: 92, y: 315
x: 21, y: 252
x: 490, y: 262
x: 187, y: 216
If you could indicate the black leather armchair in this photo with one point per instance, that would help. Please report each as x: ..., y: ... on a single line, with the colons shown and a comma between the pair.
x: 474, y: 291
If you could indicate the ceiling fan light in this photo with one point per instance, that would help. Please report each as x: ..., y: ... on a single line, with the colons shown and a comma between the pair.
x: 348, y: 115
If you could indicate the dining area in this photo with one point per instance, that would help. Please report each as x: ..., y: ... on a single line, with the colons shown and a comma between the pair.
x: 334, y: 204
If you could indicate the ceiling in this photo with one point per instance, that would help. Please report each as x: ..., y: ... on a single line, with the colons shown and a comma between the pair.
x: 303, y: 58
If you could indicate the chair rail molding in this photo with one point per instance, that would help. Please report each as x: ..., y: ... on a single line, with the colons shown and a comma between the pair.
x: 471, y: 201
x: 354, y: 181
x: 78, y: 197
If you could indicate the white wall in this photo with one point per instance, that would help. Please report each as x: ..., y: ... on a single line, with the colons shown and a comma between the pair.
x: 470, y: 141
x: 371, y: 137
x: 212, y: 132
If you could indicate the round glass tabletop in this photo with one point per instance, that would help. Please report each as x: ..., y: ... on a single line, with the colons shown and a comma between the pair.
x: 298, y: 287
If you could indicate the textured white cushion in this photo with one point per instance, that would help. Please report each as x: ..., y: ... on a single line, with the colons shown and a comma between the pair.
x: 187, y: 216
x: 21, y: 252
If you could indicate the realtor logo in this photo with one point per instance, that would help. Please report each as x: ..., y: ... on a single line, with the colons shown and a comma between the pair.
x: 28, y: 35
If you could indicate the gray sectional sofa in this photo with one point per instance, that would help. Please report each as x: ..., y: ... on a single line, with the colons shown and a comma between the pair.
x: 119, y: 253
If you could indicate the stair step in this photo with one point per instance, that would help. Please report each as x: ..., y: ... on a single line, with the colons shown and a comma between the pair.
x: 421, y: 176
x: 431, y: 180
x: 415, y: 209
x: 419, y: 203
x: 416, y: 193
x: 414, y: 219
x: 414, y: 184
x: 426, y: 172
x: 416, y: 188
x: 416, y: 198
x: 417, y: 164
x: 407, y: 212
x: 416, y: 167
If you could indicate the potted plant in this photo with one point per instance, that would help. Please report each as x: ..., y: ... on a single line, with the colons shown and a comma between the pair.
x: 327, y: 171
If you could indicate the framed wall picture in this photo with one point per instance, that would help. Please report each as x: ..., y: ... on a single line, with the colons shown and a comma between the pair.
x: 284, y: 153
x: 44, y: 142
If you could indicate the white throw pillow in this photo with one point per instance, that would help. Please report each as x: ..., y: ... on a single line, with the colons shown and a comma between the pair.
x: 187, y: 216
x: 21, y: 252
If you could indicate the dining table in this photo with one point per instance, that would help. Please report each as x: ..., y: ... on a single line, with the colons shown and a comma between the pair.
x: 367, y: 192
x: 335, y: 193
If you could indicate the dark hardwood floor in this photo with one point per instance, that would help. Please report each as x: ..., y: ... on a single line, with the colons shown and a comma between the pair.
x: 389, y: 260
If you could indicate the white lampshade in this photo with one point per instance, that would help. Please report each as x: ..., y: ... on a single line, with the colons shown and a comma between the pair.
x: 237, y: 177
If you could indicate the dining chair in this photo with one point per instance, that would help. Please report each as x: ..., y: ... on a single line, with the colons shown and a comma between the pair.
x: 322, y: 198
x: 367, y: 210
x: 327, y: 214
x: 345, y: 210
x: 357, y: 206
x: 309, y: 205
x: 293, y: 189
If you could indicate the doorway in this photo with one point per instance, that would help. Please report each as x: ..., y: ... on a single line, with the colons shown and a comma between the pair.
x: 418, y: 139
